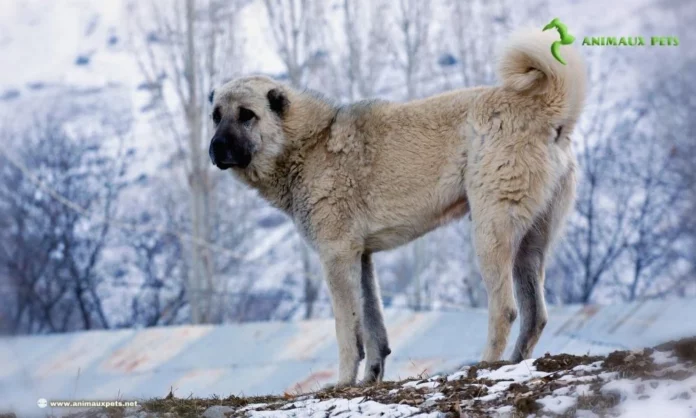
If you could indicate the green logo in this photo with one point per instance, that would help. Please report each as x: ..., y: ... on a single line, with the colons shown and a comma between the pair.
x: 618, y: 41
x: 566, y: 38
x: 629, y: 41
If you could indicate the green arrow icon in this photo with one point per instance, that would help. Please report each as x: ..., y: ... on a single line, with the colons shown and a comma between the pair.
x: 566, y: 38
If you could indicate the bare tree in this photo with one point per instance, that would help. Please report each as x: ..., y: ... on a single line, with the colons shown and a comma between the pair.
x: 298, y: 29
x: 152, y: 267
x: 476, y: 30
x: 655, y: 221
x: 367, y: 41
x: 189, y: 48
x: 51, y: 251
x: 596, y: 233
x: 626, y: 235
x: 675, y: 115
x: 413, y: 19
x: 665, y: 235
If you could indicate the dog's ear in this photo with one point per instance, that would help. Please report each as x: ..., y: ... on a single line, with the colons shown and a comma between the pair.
x: 278, y: 101
x: 211, y: 96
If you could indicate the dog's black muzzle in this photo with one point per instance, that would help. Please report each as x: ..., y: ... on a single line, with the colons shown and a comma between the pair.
x: 226, y: 151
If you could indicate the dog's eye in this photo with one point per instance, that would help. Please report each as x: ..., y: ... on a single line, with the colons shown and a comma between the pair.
x: 245, y: 115
x: 217, y: 116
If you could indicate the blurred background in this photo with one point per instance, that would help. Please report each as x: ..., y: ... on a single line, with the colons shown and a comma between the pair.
x: 111, y: 215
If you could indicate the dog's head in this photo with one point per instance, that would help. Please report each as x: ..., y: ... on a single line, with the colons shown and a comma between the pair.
x: 248, y: 117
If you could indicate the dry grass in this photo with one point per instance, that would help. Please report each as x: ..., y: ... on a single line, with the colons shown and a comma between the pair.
x: 461, y: 396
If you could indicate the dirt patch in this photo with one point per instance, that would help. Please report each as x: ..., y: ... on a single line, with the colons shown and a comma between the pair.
x: 684, y: 349
x: 464, y: 391
x: 598, y: 402
x: 631, y: 364
x: 194, y: 407
x: 551, y: 364
x: 519, y: 388
x: 527, y: 405
x: 376, y: 392
x: 492, y: 365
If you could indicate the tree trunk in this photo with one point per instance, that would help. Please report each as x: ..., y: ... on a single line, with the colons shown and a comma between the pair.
x: 200, y: 286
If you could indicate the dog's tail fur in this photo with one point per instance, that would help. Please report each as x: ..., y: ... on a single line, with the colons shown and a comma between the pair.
x: 528, y: 67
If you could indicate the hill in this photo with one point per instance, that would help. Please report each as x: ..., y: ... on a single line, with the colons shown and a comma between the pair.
x: 650, y: 382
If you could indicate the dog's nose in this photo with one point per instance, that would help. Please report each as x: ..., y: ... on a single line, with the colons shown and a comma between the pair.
x: 226, y: 152
x: 219, y: 151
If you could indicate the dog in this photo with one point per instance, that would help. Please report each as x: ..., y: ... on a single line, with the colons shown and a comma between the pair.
x: 374, y: 175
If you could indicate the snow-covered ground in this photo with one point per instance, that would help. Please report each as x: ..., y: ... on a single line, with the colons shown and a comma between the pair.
x: 651, y: 382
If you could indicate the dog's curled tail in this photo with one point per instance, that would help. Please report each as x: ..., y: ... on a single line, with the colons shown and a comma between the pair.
x: 528, y: 67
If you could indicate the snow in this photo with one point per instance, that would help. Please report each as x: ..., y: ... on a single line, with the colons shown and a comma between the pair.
x: 588, y: 367
x: 663, y: 357
x: 571, y: 378
x: 435, y: 397
x: 583, y: 390
x: 557, y: 404
x: 56, y: 33
x: 458, y: 375
x: 668, y: 398
x: 507, y: 409
x: 516, y: 372
x: 254, y: 406
x: 418, y: 385
x: 356, y: 407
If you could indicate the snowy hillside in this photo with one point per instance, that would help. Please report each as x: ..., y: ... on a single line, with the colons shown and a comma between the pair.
x: 633, y: 384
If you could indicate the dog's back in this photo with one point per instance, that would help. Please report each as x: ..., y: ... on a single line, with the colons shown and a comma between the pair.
x: 412, y: 166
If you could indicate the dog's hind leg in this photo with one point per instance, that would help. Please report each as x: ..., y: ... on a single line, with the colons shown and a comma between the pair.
x: 342, y: 269
x: 529, y: 289
x: 529, y: 268
x: 373, y: 330
x: 495, y: 248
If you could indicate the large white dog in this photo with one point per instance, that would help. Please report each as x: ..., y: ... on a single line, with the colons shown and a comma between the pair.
x: 374, y: 175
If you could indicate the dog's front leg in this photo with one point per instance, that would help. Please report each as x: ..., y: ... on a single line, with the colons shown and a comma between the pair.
x: 374, y: 331
x: 342, y: 271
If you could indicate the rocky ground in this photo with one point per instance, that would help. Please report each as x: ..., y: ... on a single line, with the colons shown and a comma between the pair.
x: 652, y: 382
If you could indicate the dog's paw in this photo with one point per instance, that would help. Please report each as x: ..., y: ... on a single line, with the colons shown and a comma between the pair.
x: 334, y: 386
x: 368, y: 382
x: 373, y: 373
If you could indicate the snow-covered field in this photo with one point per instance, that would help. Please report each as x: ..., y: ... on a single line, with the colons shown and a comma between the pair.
x: 651, y: 382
